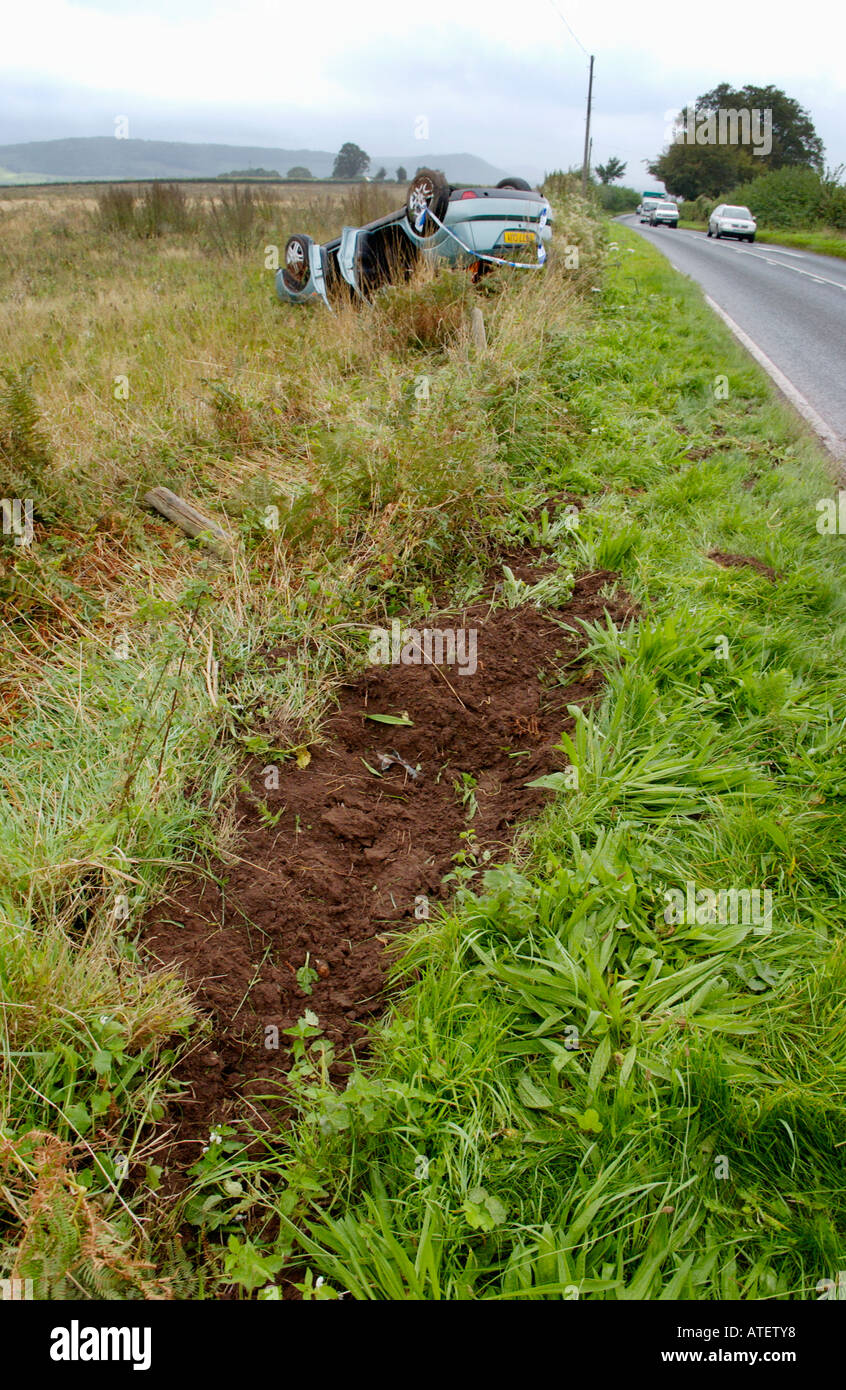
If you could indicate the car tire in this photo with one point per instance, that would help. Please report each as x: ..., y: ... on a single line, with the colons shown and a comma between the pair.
x: 717, y: 233
x: 428, y: 189
x: 296, y: 270
x: 514, y: 182
x: 751, y: 238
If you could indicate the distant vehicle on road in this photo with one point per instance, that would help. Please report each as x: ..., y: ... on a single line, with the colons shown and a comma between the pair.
x: 663, y: 215
x: 453, y: 223
x: 649, y: 198
x: 727, y: 220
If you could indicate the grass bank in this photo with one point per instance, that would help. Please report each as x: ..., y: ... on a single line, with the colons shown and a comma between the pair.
x: 359, y: 460
x: 645, y: 1106
x: 586, y: 1089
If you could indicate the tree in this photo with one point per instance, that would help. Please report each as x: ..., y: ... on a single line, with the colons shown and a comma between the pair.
x: 614, y: 169
x: 794, y: 139
x: 380, y: 174
x: 299, y: 172
x: 710, y: 152
x: 401, y: 174
x: 251, y: 174
x: 689, y: 170
x: 350, y: 162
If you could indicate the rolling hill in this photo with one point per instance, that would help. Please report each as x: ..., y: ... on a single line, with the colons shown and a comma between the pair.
x: 105, y: 157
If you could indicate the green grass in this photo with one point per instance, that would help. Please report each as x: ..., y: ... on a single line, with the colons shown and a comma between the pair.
x: 569, y: 1138
x: 640, y: 1109
x: 134, y: 670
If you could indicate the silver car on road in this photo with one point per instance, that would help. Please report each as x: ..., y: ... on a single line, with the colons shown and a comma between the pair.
x: 727, y: 220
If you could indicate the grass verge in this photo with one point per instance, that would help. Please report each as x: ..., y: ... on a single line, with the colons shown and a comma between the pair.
x: 585, y: 1090
x: 359, y: 459
x: 643, y: 1106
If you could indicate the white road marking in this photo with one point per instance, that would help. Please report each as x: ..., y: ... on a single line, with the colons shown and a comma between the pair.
x: 832, y: 441
x: 759, y: 256
x: 821, y: 280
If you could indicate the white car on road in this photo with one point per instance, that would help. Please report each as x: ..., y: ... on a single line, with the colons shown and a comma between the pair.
x: 726, y: 220
x: 663, y: 215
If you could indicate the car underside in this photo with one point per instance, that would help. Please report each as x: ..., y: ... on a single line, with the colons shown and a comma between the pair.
x: 464, y: 225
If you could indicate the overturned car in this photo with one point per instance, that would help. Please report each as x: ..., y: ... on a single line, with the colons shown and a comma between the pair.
x: 458, y: 224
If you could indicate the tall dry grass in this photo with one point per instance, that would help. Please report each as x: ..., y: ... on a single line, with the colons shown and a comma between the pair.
x: 133, y: 675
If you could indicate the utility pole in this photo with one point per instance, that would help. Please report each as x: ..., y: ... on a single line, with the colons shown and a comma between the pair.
x: 586, y: 160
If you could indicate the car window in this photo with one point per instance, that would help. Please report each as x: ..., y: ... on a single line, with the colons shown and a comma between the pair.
x: 737, y: 212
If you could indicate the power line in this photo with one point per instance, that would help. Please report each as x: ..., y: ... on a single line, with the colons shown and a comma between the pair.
x: 569, y: 27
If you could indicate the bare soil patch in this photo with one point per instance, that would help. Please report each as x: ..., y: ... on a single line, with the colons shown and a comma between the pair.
x: 729, y: 561
x: 338, y: 854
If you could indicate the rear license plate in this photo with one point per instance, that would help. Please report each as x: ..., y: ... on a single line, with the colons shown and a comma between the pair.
x: 522, y: 237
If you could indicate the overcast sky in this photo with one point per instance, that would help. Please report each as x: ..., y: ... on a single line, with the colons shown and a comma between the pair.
x: 492, y: 78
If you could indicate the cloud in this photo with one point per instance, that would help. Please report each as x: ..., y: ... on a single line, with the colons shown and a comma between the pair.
x: 504, y: 83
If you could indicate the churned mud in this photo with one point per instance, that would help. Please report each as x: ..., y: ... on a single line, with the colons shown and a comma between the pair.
x: 350, y: 848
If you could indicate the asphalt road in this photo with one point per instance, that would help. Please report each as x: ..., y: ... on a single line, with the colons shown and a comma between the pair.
x: 792, y: 304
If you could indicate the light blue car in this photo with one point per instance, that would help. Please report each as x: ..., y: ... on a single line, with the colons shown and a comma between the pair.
x: 457, y: 224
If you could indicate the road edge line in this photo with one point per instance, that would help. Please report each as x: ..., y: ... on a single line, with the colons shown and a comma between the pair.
x: 832, y: 441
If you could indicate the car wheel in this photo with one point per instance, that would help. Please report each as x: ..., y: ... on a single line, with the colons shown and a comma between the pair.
x: 717, y: 233
x: 296, y: 271
x: 429, y: 192
x: 514, y: 182
x: 751, y: 238
x: 710, y: 233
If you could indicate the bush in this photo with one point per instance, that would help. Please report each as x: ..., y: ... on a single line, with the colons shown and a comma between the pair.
x: 562, y: 186
x: 234, y: 219
x: 25, y: 459
x: 833, y: 200
x: 612, y: 199
x: 162, y: 207
x: 788, y: 197
x: 698, y: 209
x: 116, y: 209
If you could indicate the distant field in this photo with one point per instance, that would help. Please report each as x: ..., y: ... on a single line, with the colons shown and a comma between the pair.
x: 288, y: 190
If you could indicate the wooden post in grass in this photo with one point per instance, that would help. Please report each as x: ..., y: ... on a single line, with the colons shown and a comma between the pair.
x: 182, y: 514
x: 477, y: 330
